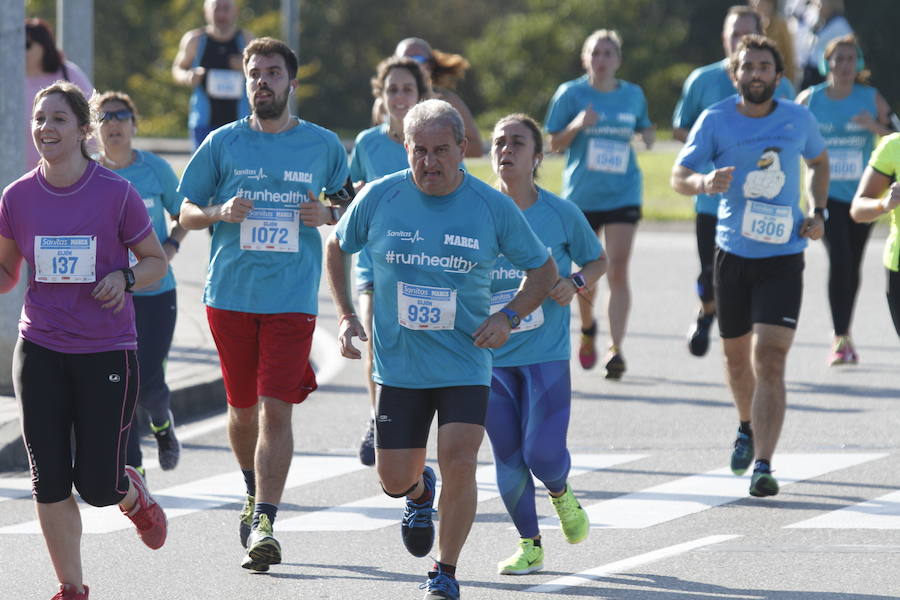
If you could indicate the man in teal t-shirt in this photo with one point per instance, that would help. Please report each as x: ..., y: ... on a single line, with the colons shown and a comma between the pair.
x: 755, y: 144
x: 257, y: 181
x: 434, y: 233
x: 704, y: 87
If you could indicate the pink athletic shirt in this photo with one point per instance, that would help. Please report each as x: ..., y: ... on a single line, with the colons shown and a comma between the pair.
x: 99, y: 217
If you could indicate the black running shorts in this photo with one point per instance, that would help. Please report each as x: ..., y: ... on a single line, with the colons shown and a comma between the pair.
x: 757, y: 290
x: 403, y: 415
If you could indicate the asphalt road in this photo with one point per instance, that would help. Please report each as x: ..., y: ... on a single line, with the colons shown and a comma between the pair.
x: 650, y: 457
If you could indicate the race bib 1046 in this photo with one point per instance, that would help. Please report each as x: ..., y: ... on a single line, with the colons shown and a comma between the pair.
x: 271, y: 230
x: 422, y: 307
x: 65, y: 258
x: 608, y: 156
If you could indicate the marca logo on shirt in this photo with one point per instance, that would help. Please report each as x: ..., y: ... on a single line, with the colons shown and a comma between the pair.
x: 256, y: 174
x: 626, y: 117
x: 298, y: 176
x: 406, y: 236
x: 461, y: 240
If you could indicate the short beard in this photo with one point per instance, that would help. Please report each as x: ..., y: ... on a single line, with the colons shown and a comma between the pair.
x: 273, y: 110
x: 758, y: 98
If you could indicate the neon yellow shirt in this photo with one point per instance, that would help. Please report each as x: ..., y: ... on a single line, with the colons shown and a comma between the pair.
x: 886, y: 160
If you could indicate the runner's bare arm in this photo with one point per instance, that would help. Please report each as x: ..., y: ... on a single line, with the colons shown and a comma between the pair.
x: 10, y: 264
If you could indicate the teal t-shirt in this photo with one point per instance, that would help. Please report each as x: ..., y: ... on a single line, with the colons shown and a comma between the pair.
x: 374, y: 155
x: 432, y: 259
x: 760, y: 214
x: 543, y: 336
x: 157, y: 184
x: 271, y: 263
x: 849, y: 145
x: 704, y: 87
x: 601, y: 166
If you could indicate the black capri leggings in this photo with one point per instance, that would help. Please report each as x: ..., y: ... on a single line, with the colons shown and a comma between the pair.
x: 845, y: 241
x: 893, y: 297
x: 705, y: 227
x: 93, y: 395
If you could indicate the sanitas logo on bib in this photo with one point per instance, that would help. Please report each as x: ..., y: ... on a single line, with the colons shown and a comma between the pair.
x: 256, y: 174
x: 298, y: 176
x: 461, y: 241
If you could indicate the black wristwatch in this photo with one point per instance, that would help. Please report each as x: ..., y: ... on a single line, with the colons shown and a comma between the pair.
x: 821, y: 211
x: 129, y: 280
x: 512, y: 317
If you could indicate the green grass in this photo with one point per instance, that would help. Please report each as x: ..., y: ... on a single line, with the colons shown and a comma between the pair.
x: 661, y: 203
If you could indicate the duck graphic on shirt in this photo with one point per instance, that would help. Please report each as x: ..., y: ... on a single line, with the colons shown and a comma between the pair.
x: 769, y: 179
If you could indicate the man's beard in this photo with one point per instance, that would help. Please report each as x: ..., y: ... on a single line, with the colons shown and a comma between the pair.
x: 758, y: 97
x: 272, y: 109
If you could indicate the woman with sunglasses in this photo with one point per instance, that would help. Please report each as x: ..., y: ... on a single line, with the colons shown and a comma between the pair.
x: 531, y: 390
x: 593, y: 119
x: 442, y: 70
x: 851, y: 115
x: 75, y: 363
x: 399, y: 84
x: 154, y: 306
x: 45, y: 64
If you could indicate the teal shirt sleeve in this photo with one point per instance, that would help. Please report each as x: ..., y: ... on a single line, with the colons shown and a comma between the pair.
x: 339, y: 170
x: 698, y: 151
x: 171, y: 199
x: 688, y: 108
x: 583, y: 245
x: 815, y: 143
x: 352, y: 230
x: 201, y: 175
x: 517, y: 240
x: 643, y: 116
x: 559, y: 113
x: 357, y: 169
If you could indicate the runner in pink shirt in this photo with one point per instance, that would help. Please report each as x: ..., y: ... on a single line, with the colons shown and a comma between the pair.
x: 75, y: 364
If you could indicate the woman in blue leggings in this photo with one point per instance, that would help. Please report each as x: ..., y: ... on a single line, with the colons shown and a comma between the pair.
x: 528, y: 411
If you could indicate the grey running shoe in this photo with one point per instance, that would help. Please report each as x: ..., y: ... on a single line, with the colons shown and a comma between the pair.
x: 262, y: 547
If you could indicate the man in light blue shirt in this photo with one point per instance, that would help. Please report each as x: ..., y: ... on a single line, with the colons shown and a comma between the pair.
x: 435, y: 233
x: 704, y: 87
x: 257, y: 181
x: 755, y: 144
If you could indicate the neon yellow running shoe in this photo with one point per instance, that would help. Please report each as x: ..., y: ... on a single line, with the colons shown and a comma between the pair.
x: 528, y: 558
x: 262, y: 547
x: 572, y: 518
x: 246, y: 519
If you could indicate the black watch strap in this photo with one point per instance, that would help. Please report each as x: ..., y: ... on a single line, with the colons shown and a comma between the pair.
x: 129, y: 280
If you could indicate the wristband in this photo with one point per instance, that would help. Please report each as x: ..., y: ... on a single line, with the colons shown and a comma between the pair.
x: 173, y: 242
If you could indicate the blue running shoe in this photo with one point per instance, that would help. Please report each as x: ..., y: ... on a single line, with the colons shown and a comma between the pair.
x: 417, y: 529
x: 440, y: 587
x: 742, y: 455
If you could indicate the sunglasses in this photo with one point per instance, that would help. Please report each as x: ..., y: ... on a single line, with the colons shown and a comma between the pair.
x: 419, y: 58
x: 118, y: 115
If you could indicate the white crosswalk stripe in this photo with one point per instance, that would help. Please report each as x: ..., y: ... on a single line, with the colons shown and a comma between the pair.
x: 879, y: 513
x: 205, y: 494
x: 380, y: 510
x: 689, y: 495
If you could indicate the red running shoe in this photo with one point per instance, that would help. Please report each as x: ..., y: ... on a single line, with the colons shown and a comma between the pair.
x: 67, y: 592
x: 587, y: 351
x: 147, y: 515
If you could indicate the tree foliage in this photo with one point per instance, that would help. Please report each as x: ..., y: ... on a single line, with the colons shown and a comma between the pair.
x: 520, y: 50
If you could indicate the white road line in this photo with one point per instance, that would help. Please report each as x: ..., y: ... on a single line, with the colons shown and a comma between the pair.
x: 627, y: 564
x: 689, y: 495
x: 204, y: 494
x: 381, y: 510
x: 879, y: 513
x: 14, y: 487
